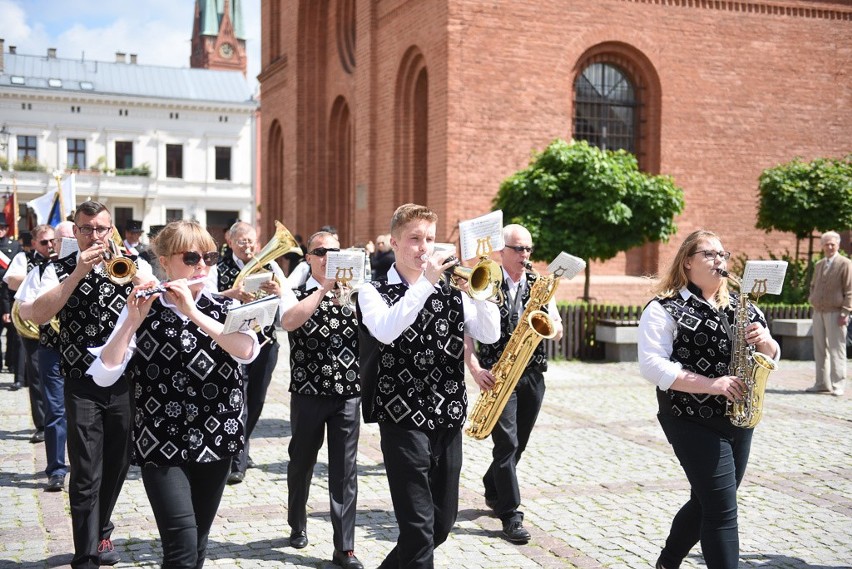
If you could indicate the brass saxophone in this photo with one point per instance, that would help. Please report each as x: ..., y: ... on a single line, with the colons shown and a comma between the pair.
x: 752, y: 367
x: 533, y: 326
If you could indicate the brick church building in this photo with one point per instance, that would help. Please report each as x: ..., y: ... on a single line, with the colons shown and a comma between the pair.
x: 368, y: 105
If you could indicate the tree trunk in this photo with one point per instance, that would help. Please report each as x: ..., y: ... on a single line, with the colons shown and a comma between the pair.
x: 586, y: 297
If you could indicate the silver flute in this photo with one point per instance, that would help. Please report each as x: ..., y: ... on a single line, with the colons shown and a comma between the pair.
x: 163, y: 287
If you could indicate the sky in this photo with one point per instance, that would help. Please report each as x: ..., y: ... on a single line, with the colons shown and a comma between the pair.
x: 158, y: 31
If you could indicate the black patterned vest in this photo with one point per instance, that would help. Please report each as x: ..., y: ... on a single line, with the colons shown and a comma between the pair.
x: 418, y: 380
x: 488, y: 354
x: 324, y: 351
x: 226, y: 273
x: 89, y: 316
x: 188, y: 392
x: 702, y: 345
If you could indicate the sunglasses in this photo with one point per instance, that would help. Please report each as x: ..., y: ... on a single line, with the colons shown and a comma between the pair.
x: 520, y: 248
x: 191, y: 258
x: 46, y: 242
x: 321, y: 251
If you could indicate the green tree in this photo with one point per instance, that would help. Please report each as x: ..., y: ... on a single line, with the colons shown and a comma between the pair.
x: 589, y: 202
x: 803, y: 197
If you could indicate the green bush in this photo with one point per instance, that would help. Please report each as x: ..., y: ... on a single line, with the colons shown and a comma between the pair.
x: 29, y: 165
x: 143, y: 170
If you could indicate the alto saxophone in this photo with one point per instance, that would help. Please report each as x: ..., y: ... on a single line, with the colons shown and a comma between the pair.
x: 533, y: 326
x: 750, y: 366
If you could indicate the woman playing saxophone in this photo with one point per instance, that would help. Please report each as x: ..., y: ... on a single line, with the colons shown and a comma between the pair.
x: 685, y: 338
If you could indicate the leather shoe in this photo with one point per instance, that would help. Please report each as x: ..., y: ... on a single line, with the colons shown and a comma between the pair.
x: 817, y: 389
x: 235, y: 477
x: 515, y: 532
x: 38, y: 436
x: 299, y: 539
x: 346, y: 559
x: 250, y: 463
x: 107, y: 555
x: 55, y: 483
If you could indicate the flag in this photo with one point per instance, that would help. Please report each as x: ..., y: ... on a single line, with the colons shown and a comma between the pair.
x: 41, y: 206
x: 68, y: 196
x: 9, y: 212
x: 15, y: 210
x: 55, y: 216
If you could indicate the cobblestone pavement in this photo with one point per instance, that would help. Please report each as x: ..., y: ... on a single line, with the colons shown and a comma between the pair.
x: 599, y: 483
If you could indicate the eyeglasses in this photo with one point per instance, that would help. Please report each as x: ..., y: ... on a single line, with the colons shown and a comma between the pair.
x: 88, y: 229
x: 520, y: 248
x: 321, y: 251
x: 46, y: 242
x: 191, y: 258
x: 245, y: 242
x: 708, y: 254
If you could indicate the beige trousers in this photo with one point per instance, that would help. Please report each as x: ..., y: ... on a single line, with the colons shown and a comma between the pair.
x: 829, y: 350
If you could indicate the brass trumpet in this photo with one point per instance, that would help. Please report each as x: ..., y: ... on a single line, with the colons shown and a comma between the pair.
x: 117, y: 267
x: 484, y: 279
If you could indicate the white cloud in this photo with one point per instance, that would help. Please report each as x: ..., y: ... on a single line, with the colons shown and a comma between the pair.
x: 158, y: 31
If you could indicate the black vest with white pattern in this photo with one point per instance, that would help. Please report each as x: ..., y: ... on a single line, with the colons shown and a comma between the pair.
x: 324, y: 351
x: 226, y: 273
x: 188, y: 391
x: 488, y: 354
x: 417, y: 381
x: 702, y: 345
x: 89, y: 316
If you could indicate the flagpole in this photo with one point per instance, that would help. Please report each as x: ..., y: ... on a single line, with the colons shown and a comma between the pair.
x: 58, y: 177
x: 15, y: 207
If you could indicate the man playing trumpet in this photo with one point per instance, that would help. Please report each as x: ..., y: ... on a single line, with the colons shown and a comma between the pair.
x: 88, y: 304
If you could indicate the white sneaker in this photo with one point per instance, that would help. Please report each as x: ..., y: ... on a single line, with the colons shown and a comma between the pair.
x: 838, y: 392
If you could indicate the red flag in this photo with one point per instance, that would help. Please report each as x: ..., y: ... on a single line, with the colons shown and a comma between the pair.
x: 9, y: 212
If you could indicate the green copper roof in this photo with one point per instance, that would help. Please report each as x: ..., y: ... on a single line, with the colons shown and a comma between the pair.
x: 212, y: 12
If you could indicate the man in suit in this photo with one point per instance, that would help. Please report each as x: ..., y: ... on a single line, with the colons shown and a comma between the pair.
x: 831, y: 297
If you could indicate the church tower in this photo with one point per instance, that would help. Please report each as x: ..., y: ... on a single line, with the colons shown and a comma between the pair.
x: 218, y: 36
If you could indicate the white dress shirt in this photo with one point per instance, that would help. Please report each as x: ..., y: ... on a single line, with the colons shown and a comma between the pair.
x: 386, y: 323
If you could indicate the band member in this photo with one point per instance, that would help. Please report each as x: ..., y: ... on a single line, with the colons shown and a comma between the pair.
x: 88, y: 304
x: 685, y: 337
x: 512, y: 431
x: 325, y: 394
x: 188, y: 391
x: 8, y: 249
x: 412, y: 369
x: 242, y: 242
x: 133, y: 237
x: 52, y: 382
x: 21, y: 265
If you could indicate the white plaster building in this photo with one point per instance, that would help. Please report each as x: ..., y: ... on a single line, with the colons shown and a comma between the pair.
x: 194, y: 129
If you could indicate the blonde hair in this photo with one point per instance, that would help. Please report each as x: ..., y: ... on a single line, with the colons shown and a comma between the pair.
x: 182, y: 236
x: 409, y: 212
x: 675, y: 277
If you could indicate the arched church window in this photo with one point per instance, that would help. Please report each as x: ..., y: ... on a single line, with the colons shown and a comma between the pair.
x: 605, y: 108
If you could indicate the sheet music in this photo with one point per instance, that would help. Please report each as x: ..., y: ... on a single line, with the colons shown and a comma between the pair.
x: 485, y: 227
x: 252, y: 282
x: 248, y: 316
x: 69, y: 245
x: 763, y: 277
x: 346, y: 264
x: 569, y: 265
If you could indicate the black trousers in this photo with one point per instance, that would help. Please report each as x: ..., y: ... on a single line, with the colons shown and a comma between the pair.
x: 510, y: 437
x: 259, y: 376
x: 714, y: 463
x: 423, y: 470
x: 310, y: 417
x: 32, y: 378
x: 98, y: 442
x: 184, y: 500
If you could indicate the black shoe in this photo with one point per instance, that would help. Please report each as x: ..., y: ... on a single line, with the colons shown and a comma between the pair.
x: 250, y: 463
x: 236, y: 477
x: 107, y: 555
x: 346, y: 559
x: 15, y: 386
x: 38, y: 436
x: 55, y: 483
x: 299, y: 539
x: 515, y: 532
